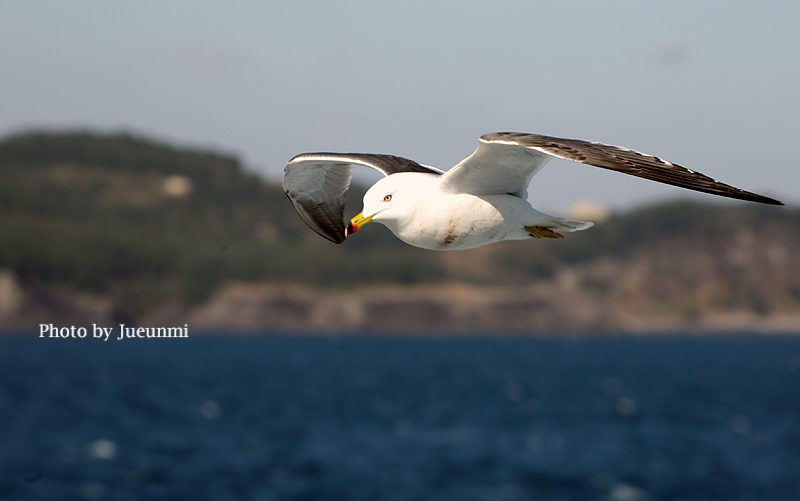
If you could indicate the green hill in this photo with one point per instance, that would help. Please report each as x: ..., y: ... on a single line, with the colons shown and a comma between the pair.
x: 149, y: 225
x: 95, y: 213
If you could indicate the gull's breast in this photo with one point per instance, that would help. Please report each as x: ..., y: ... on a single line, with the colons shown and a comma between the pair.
x: 460, y: 221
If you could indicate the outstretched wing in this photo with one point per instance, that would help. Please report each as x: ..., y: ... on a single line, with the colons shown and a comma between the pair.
x: 513, y: 166
x: 495, y: 168
x: 316, y: 183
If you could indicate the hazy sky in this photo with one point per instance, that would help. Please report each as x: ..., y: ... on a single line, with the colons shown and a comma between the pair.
x: 711, y: 85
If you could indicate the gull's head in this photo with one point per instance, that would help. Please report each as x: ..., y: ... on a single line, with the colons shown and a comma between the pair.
x: 392, y: 200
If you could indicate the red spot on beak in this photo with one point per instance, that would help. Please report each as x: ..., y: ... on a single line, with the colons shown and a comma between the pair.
x: 350, y: 229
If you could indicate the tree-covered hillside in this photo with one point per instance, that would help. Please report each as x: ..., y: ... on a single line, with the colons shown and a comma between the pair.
x: 150, y: 223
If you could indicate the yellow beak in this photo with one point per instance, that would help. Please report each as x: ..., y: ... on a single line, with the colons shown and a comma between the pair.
x: 356, y: 223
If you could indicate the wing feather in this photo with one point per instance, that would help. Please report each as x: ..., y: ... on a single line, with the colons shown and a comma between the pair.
x: 623, y: 160
x: 316, y: 183
x: 495, y: 167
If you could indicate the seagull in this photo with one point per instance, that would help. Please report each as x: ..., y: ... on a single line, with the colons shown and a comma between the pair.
x: 482, y: 200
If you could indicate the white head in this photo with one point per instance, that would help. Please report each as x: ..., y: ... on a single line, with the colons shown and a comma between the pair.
x: 393, y: 200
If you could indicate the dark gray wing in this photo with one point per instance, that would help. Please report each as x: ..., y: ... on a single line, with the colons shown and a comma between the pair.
x: 316, y: 183
x: 622, y: 160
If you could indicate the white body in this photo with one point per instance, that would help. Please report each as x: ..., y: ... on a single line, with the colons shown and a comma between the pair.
x: 421, y: 214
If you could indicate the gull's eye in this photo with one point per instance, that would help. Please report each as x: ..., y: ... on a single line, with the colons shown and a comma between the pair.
x: 387, y: 198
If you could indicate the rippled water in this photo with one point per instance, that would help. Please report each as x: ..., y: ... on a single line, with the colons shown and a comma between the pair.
x: 625, y: 419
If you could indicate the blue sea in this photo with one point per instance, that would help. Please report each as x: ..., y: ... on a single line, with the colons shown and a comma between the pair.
x: 629, y: 418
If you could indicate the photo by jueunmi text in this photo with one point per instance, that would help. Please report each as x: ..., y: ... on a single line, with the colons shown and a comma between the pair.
x: 104, y: 333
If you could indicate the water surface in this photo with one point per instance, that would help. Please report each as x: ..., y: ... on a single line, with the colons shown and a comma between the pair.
x: 627, y: 418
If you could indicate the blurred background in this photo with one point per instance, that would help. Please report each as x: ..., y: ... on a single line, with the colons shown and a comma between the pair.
x: 141, y: 149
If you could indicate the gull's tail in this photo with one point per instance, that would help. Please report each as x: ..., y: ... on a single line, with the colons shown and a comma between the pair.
x: 559, y: 224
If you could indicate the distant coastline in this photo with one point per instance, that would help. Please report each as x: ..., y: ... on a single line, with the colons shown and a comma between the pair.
x: 117, y: 229
x: 455, y: 309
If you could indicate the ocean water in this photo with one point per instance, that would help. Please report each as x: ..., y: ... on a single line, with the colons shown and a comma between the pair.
x: 368, y: 418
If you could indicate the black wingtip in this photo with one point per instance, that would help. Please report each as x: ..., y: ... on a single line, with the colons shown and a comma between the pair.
x: 765, y: 200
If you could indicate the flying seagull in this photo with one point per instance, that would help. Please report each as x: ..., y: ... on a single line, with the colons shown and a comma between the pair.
x: 479, y: 201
